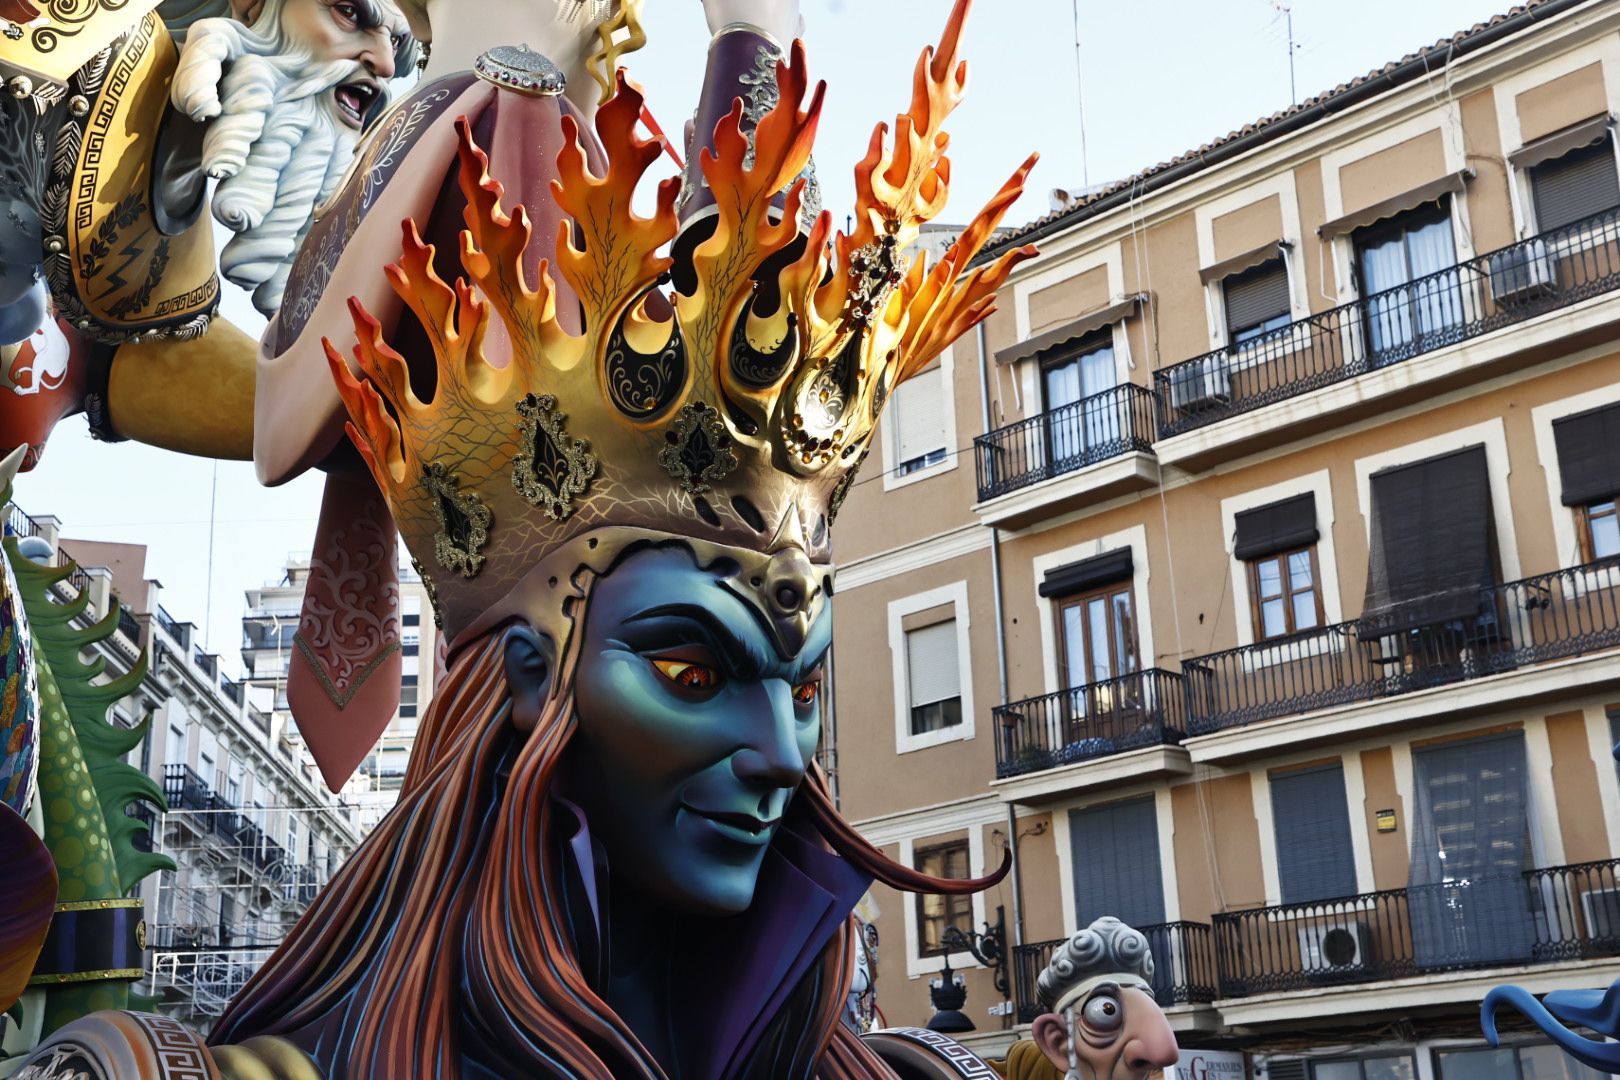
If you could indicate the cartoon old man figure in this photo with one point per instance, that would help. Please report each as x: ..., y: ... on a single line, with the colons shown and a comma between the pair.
x: 1101, y: 1020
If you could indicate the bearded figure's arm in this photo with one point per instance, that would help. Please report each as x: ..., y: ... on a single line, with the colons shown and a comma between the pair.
x: 193, y: 397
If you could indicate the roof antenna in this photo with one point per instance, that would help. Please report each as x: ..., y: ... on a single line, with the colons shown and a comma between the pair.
x: 1080, y: 94
x: 1286, y: 9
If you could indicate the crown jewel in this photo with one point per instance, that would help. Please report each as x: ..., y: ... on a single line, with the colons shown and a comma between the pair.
x: 735, y: 413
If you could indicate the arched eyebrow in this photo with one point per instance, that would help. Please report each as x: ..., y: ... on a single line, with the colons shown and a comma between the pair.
x: 746, y: 654
x: 743, y: 655
x: 370, y: 15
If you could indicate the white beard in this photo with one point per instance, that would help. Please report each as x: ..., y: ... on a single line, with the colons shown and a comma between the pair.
x: 274, y: 142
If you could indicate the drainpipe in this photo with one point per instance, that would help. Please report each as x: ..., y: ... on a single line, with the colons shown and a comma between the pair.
x: 1001, y: 640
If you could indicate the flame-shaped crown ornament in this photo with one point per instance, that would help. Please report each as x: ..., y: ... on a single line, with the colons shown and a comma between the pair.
x: 735, y: 413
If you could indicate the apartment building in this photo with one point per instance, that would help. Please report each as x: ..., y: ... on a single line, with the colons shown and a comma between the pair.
x: 268, y: 632
x: 1254, y: 576
x: 253, y: 832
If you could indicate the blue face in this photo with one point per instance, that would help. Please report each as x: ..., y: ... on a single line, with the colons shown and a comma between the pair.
x: 694, y: 729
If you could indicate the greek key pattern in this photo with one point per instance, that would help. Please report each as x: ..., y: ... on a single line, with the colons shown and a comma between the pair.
x: 965, y: 1062
x: 180, y: 1056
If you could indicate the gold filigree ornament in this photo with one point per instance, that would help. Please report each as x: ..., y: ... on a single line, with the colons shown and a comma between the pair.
x: 463, y: 519
x: 551, y: 470
x: 731, y: 415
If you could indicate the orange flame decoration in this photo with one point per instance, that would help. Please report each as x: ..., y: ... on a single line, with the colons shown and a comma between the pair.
x: 899, y: 185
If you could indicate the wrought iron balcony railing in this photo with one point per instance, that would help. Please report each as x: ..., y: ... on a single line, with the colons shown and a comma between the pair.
x: 1511, y: 285
x: 1184, y: 969
x: 1548, y: 617
x: 1537, y: 917
x: 1145, y: 708
x: 170, y: 627
x: 128, y: 625
x: 1093, y: 429
x: 20, y: 525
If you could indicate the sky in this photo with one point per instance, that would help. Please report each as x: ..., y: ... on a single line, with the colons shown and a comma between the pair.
x: 1157, y: 77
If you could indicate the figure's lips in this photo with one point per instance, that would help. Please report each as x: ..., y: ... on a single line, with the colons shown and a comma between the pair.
x: 745, y: 828
x: 354, y: 100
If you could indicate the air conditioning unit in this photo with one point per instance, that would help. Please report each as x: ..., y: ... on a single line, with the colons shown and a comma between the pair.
x: 1601, y: 908
x: 1200, y: 386
x: 1334, y: 948
x: 1522, y: 273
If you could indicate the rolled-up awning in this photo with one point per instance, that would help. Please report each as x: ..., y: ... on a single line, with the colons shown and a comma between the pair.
x: 1433, y: 543
x: 1069, y: 333
x: 1280, y: 526
x: 1248, y: 260
x: 1092, y: 573
x: 1589, y: 455
x: 1450, y: 184
x: 1561, y: 142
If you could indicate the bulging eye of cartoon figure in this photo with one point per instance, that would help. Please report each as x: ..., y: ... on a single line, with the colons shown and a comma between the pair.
x: 1103, y: 1015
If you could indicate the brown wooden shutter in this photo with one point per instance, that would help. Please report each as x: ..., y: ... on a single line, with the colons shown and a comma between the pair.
x: 1104, y: 569
x: 1433, y: 544
x: 1276, y: 527
x: 1589, y: 455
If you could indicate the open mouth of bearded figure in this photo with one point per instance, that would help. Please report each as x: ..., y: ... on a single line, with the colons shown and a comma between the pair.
x: 354, y: 101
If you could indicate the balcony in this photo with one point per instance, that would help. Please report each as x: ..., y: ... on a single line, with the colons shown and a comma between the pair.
x: 1547, y: 916
x: 1113, y: 426
x: 20, y: 525
x: 1184, y: 967
x: 1512, y: 285
x: 1143, y: 709
x: 1564, y: 614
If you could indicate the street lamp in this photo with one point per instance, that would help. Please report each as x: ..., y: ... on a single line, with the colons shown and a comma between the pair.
x: 948, y: 993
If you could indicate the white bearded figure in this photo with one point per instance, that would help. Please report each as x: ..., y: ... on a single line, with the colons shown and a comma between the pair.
x: 286, y: 92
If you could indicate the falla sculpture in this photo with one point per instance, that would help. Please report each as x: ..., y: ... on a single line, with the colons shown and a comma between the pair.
x: 109, y: 138
x: 615, y: 445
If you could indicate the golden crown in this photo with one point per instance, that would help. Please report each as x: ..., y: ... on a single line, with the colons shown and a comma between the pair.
x: 735, y: 413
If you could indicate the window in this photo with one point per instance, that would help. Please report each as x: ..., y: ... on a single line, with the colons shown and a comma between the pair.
x: 1577, y: 185
x: 411, y: 618
x: 935, y: 683
x: 1614, y: 739
x: 1257, y: 302
x: 1600, y: 531
x: 1098, y: 635
x: 1374, y: 1067
x: 176, y: 752
x: 1311, y: 820
x: 1077, y: 418
x: 1278, y: 543
x: 1541, y: 1062
x: 1117, y: 871
x: 936, y: 913
x: 407, y: 695
x: 1408, y: 300
x: 1433, y: 546
x: 918, y: 412
x: 1470, y: 847
x: 1287, y: 593
x: 233, y: 782
x: 1588, y: 447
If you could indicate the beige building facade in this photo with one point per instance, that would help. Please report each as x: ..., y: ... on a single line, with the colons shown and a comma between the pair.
x: 1255, y: 575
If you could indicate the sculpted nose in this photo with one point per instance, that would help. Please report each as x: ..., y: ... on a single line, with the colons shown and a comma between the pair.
x: 771, y: 757
x: 379, y: 55
x: 1151, y: 1046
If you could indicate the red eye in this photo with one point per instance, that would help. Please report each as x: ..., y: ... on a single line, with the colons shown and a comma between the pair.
x: 689, y: 676
x: 807, y: 692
